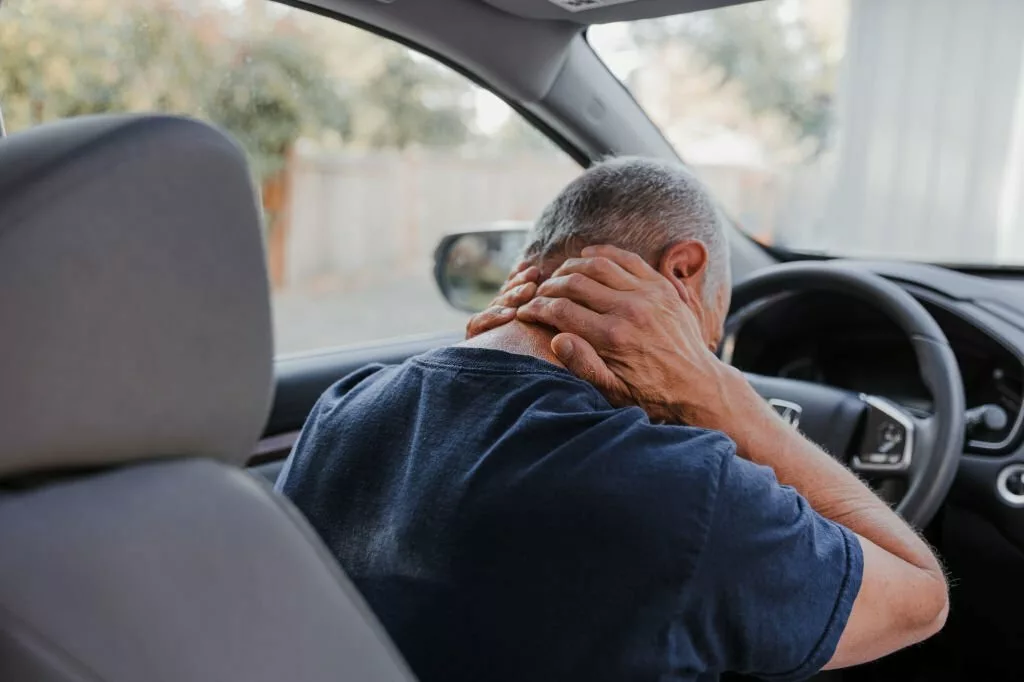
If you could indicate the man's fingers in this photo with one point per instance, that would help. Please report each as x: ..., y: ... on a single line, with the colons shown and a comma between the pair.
x: 486, y: 320
x: 523, y: 274
x: 516, y: 297
x: 581, y: 289
x: 627, y: 260
x: 580, y: 358
x: 519, y: 267
x: 501, y: 311
x: 599, y: 269
x: 565, y: 316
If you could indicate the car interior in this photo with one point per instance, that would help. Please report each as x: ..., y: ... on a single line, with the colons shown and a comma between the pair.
x: 146, y: 417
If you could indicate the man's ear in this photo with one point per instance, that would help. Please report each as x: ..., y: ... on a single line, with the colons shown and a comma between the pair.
x: 684, y: 264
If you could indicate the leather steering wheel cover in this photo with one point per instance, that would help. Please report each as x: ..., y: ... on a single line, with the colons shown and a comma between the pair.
x: 923, y: 500
x: 928, y: 484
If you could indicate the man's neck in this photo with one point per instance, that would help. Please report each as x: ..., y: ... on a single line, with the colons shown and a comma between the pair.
x: 517, y: 337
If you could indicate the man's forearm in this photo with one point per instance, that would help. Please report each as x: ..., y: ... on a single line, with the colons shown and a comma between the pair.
x: 831, y: 489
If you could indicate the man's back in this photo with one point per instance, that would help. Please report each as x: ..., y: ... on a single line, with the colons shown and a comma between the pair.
x: 505, y: 522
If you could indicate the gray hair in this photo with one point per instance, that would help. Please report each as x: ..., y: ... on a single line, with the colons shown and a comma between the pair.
x: 642, y: 205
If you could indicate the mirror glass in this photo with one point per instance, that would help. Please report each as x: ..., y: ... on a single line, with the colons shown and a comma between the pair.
x: 471, y: 267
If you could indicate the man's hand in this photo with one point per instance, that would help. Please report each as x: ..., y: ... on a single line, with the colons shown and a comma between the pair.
x: 520, y: 287
x: 626, y: 330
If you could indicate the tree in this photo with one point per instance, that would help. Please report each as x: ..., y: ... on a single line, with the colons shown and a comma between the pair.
x: 409, y: 101
x: 41, y: 79
x: 273, y: 92
x: 780, y: 63
x: 267, y: 77
x: 266, y: 88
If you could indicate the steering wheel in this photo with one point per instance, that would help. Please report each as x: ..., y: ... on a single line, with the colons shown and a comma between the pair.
x: 871, y: 434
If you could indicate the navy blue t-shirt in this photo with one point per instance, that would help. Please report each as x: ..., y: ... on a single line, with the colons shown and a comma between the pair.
x: 505, y: 522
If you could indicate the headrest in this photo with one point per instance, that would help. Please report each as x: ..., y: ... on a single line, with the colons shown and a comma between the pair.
x: 134, y: 309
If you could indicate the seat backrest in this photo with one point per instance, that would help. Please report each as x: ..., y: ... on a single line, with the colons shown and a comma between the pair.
x: 135, y: 375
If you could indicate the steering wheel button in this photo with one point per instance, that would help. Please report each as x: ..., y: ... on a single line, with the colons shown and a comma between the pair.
x: 888, y: 436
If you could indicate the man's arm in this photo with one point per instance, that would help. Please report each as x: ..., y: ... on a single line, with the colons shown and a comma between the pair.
x: 626, y: 330
x: 902, y: 599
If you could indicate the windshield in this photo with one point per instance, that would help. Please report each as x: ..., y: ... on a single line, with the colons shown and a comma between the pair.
x: 849, y: 127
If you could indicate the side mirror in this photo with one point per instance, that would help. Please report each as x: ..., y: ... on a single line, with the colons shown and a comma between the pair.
x: 470, y: 267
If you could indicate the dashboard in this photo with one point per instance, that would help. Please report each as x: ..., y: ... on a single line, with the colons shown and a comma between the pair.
x: 841, y: 341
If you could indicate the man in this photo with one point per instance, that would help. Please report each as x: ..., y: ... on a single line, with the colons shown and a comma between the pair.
x: 507, y: 520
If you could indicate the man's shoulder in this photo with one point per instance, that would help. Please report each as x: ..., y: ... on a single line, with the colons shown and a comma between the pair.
x: 472, y: 360
x: 452, y: 385
x: 540, y: 399
x: 450, y: 362
x: 602, y: 458
x: 460, y: 372
x: 612, y: 478
x: 540, y: 410
x: 623, y: 442
x: 370, y: 378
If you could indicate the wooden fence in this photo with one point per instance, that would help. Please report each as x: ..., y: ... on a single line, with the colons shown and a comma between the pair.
x: 347, y: 219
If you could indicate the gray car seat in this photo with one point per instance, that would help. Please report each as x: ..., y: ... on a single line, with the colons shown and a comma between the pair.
x: 135, y: 377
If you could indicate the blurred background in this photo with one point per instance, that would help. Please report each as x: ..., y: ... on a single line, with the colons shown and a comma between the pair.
x: 855, y: 127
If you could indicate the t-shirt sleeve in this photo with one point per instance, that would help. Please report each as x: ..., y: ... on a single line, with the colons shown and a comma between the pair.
x: 298, y: 479
x: 776, y: 581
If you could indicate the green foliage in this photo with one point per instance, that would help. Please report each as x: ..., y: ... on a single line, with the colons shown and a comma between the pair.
x: 161, y: 61
x: 38, y: 80
x: 267, y: 74
x: 271, y: 93
x: 780, y: 64
x: 413, y: 101
x: 266, y: 88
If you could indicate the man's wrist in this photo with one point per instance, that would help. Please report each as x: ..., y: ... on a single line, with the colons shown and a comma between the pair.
x: 726, y: 394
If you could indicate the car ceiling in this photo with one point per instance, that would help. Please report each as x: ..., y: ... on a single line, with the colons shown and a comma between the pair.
x: 604, y: 11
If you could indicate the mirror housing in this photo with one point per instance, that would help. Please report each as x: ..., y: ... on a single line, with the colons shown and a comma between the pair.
x: 470, y: 267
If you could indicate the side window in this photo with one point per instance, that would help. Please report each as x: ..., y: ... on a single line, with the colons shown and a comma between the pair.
x: 367, y: 152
